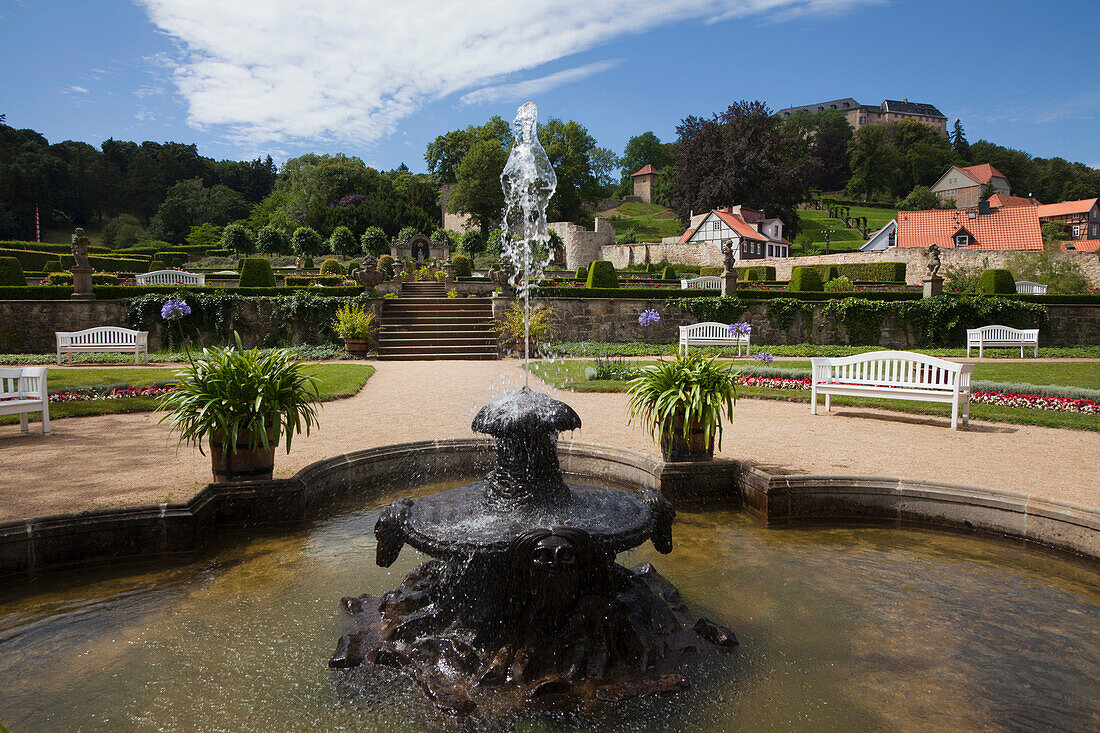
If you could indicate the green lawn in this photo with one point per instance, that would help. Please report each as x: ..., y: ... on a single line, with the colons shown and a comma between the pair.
x: 640, y: 348
x: 1063, y: 373
x: 334, y: 381
x: 650, y: 222
x: 843, y: 239
x: 570, y: 375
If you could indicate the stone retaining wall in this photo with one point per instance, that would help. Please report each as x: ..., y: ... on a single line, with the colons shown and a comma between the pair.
x: 915, y: 259
x: 165, y: 531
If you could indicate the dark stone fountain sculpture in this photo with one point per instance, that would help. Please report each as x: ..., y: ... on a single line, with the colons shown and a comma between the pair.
x: 524, y: 601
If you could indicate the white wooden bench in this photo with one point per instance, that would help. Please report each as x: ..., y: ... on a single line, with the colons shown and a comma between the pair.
x: 711, y: 334
x: 23, y: 391
x: 1026, y: 287
x: 170, y: 277
x: 1001, y: 336
x: 900, y: 375
x: 706, y: 282
x: 103, y: 338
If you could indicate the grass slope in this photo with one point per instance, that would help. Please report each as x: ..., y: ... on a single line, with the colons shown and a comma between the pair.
x: 843, y: 239
x: 650, y: 222
x: 334, y: 381
x: 570, y: 375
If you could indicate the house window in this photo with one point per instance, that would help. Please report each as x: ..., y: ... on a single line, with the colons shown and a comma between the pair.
x: 1077, y: 231
x: 1093, y: 235
x: 716, y: 226
x: 891, y: 240
x: 962, y: 240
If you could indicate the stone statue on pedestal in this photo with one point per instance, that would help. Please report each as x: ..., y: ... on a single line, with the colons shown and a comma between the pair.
x: 80, y: 248
x: 933, y: 260
x: 82, y: 271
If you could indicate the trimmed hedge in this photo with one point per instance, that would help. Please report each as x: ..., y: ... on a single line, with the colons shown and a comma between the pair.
x: 157, y: 265
x: 805, y: 279
x: 256, y: 272
x: 218, y: 253
x: 996, y: 282
x: 757, y: 272
x: 464, y: 266
x: 707, y: 271
x: 601, y: 274
x: 122, y: 292
x: 326, y: 280
x: 57, y: 248
x: 332, y: 267
x: 641, y: 293
x: 66, y: 278
x: 52, y: 266
x: 669, y: 273
x: 35, y: 260
x: 11, y: 272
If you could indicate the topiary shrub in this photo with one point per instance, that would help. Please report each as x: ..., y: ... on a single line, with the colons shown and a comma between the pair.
x: 996, y: 282
x: 710, y: 271
x: 332, y: 267
x: 805, y: 280
x: 157, y: 265
x: 52, y: 266
x: 832, y: 272
x: 669, y: 273
x: 256, y: 273
x: 11, y: 272
x: 385, y: 264
x: 752, y: 273
x: 464, y: 266
x: 582, y: 272
x: 343, y: 242
x: 601, y: 274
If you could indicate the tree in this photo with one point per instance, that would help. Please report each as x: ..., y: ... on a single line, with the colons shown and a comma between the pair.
x: 189, y: 203
x: 237, y: 238
x: 270, y: 241
x: 920, y: 198
x: 988, y: 191
x: 472, y: 243
x: 374, y: 241
x: 342, y: 242
x: 444, y: 154
x: 204, y: 235
x: 742, y: 156
x: 477, y: 191
x: 306, y: 242
x: 123, y: 231
x: 582, y: 168
x: 828, y: 135
x: 640, y: 151
x: 874, y: 160
x: 1054, y: 231
x: 959, y: 143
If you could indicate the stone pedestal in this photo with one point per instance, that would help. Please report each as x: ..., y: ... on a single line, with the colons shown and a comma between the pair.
x: 82, y: 283
x: 729, y: 283
x: 933, y: 286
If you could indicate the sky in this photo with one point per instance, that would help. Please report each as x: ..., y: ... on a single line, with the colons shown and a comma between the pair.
x: 381, y: 79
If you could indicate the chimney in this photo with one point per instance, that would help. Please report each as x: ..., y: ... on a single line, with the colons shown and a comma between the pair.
x: 983, y: 207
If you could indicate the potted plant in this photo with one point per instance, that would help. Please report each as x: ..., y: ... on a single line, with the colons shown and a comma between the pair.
x: 244, y: 403
x: 357, y: 326
x: 682, y: 402
x: 509, y: 325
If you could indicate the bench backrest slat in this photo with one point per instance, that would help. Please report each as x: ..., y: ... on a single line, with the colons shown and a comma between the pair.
x: 700, y: 283
x: 893, y: 369
x: 708, y: 330
x: 99, y: 336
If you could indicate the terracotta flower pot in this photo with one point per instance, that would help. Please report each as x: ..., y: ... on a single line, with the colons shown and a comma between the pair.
x: 532, y: 343
x: 356, y: 347
x: 243, y: 464
x: 693, y: 448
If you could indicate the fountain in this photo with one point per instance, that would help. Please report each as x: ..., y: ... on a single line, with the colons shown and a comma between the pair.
x: 524, y: 600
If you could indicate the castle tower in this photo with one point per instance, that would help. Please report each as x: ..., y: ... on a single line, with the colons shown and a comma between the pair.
x: 643, y: 183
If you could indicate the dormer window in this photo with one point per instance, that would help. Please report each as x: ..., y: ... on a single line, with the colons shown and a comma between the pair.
x: 962, y: 240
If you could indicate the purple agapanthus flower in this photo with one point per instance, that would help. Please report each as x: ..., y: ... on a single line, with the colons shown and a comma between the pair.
x: 173, y: 309
x: 740, y: 329
x: 764, y: 357
x: 649, y: 317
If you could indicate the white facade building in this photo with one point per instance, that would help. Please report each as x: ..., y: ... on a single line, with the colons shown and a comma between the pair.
x: 753, y: 235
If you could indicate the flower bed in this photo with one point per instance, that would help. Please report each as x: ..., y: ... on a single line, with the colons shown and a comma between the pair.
x: 111, y: 393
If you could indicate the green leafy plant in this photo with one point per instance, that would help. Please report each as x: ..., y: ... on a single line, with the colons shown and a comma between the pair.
x: 510, y: 323
x: 687, y: 391
x: 839, y: 285
x: 452, y: 293
x: 226, y: 392
x: 332, y: 267
x: 353, y: 321
x: 464, y: 267
x: 256, y: 272
x: 11, y: 272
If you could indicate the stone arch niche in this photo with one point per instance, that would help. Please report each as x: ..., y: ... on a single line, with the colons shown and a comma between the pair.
x: 420, y: 248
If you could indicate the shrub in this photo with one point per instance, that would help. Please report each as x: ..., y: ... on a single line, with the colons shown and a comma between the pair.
x: 407, y: 233
x: 832, y: 272
x: 443, y: 237
x: 1060, y: 275
x: 342, y: 242
x: 207, y: 235
x: 157, y: 265
x: 582, y: 273
x: 471, y: 243
x: 256, y: 273
x: 996, y: 282
x: 306, y: 242
x: 311, y: 280
x: 464, y: 267
x: 237, y: 238
x: 353, y: 321
x: 759, y: 272
x: 601, y: 274
x: 66, y: 278
x: 123, y: 231
x: 52, y: 266
x: 510, y: 323
x: 11, y: 272
x: 716, y: 271
x: 805, y: 279
x: 839, y: 285
x: 385, y: 264
x: 270, y: 241
x: 669, y: 273
x: 332, y: 267
x: 374, y: 242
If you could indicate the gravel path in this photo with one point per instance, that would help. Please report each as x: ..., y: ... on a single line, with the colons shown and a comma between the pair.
x: 115, y: 460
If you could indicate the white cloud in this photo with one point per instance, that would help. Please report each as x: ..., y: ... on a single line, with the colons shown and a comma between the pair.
x: 533, y: 87
x: 351, y: 70
x: 78, y: 90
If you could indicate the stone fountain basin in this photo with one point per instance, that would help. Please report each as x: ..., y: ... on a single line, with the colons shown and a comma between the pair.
x: 462, y: 521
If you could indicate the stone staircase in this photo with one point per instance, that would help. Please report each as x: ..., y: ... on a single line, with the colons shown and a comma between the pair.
x: 424, y: 324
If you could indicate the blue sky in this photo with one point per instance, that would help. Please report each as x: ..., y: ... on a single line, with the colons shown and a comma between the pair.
x: 381, y: 79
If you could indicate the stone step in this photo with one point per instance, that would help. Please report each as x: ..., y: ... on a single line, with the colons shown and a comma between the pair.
x: 433, y: 349
x: 438, y: 356
x: 454, y: 324
x: 443, y: 343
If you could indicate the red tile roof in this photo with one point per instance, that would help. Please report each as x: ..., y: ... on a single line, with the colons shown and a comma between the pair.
x: 982, y: 173
x: 1082, y: 206
x: 1082, y: 245
x: 686, y: 236
x: 998, y: 200
x: 739, y: 225
x: 1012, y: 227
x: 647, y: 169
